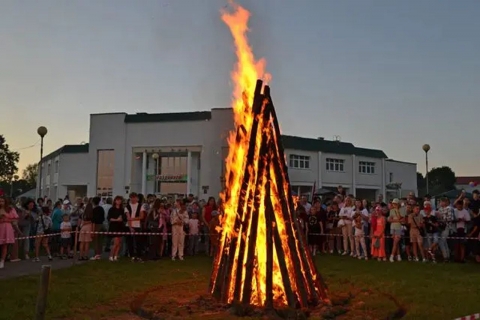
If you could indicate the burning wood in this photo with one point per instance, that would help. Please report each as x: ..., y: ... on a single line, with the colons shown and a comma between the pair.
x: 263, y: 259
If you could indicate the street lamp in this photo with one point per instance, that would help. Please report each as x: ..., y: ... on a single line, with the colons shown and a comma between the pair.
x: 12, y: 181
x: 155, y: 157
x: 426, y: 148
x: 42, y: 132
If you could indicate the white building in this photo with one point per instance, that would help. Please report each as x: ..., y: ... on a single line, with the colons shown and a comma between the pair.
x: 184, y: 153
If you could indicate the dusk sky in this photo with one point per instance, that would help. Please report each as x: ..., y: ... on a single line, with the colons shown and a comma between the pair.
x: 388, y: 75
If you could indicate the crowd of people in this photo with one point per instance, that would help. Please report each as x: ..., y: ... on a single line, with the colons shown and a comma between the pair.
x: 139, y: 228
x: 150, y: 228
x: 407, y: 228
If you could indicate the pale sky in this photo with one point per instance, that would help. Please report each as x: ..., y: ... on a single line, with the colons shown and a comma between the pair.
x: 388, y: 75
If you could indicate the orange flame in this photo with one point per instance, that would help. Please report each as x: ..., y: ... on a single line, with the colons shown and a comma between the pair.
x: 246, y: 72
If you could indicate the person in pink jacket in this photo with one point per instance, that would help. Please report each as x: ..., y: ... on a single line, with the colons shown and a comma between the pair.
x: 8, y: 215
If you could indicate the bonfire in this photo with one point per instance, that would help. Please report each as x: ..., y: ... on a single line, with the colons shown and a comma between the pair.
x: 263, y: 259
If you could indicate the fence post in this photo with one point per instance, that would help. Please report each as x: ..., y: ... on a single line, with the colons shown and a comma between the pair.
x: 41, y: 306
x: 75, y: 255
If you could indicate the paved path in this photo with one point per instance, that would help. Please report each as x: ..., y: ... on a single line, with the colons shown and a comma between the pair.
x: 28, y: 267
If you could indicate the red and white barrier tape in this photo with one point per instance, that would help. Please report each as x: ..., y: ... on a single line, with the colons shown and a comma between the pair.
x: 208, y: 234
x: 470, y: 317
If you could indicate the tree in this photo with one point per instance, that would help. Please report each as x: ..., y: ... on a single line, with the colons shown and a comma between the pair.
x: 30, y: 174
x: 441, y: 180
x: 8, y: 160
x: 421, y: 184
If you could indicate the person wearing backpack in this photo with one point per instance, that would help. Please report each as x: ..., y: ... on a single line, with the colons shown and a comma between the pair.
x: 44, y: 228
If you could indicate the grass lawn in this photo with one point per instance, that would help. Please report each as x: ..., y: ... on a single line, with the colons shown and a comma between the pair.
x: 359, y: 289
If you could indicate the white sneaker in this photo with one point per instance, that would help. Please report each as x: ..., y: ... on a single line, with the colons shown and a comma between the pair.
x: 415, y: 260
x: 352, y: 254
x: 366, y: 258
x: 344, y: 253
x: 359, y: 257
x: 115, y: 258
x: 111, y: 259
x: 27, y: 257
x: 2, y: 264
x: 392, y: 259
x: 399, y: 258
x: 181, y: 258
x: 424, y: 260
x: 173, y: 258
x: 96, y: 257
x: 331, y: 251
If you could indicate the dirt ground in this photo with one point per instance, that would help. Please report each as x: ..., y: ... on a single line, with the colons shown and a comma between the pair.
x: 191, y: 301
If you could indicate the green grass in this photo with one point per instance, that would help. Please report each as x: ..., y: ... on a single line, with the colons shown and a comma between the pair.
x: 104, y: 289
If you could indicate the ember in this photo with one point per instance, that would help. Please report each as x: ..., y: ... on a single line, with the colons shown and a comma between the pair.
x: 263, y: 259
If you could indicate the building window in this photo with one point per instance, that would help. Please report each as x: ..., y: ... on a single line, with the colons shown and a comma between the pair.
x: 105, y: 161
x: 48, y: 169
x: 335, y: 164
x: 366, y: 167
x: 391, y: 177
x: 171, y: 177
x: 299, y: 162
x: 56, y: 166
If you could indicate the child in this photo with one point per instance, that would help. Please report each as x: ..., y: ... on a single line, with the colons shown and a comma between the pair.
x: 359, y: 235
x: 214, y: 233
x: 65, y: 229
x: 314, y: 229
x: 193, y: 234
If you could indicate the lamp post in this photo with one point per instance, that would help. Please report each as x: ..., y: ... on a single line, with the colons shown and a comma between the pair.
x: 12, y: 181
x: 42, y: 132
x: 426, y: 148
x: 155, y: 157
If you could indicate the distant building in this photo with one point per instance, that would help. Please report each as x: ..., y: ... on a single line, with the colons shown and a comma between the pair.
x: 185, y: 153
x: 63, y: 171
x: 464, y: 183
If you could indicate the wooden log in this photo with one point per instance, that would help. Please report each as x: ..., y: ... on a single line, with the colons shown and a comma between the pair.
x: 280, y: 154
x: 282, y: 263
x: 293, y: 232
x: 269, y: 242
x: 229, y: 260
x: 221, y: 259
x: 295, y: 258
x: 252, y: 240
x: 41, y: 305
x: 262, y: 172
x: 245, y: 216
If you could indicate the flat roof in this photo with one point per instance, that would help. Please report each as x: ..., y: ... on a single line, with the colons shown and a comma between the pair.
x: 329, y: 146
x: 68, y: 148
x: 392, y: 160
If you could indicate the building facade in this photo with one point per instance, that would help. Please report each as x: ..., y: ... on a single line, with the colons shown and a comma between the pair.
x: 181, y: 153
x: 63, y: 172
